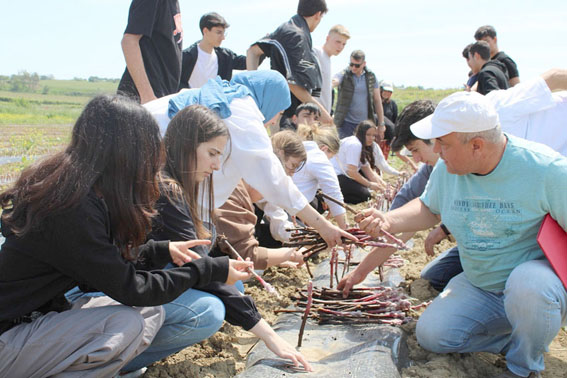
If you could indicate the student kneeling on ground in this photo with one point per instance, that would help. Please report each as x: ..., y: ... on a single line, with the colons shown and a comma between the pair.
x: 80, y: 217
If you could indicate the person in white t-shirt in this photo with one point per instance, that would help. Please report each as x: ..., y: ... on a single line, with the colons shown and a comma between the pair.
x: 321, y: 144
x: 379, y: 158
x: 334, y: 45
x: 205, y: 59
x: 354, y: 164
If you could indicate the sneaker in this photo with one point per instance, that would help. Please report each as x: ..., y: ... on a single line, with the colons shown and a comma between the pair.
x: 509, y: 374
x: 132, y: 374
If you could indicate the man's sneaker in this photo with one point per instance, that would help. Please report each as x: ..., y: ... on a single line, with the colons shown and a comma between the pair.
x: 509, y: 374
x: 132, y: 374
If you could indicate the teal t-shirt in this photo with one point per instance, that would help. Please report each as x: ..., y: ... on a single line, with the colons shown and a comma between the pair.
x: 495, y: 218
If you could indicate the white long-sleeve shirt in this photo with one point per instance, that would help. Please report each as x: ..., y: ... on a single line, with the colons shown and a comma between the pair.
x: 279, y: 220
x: 531, y: 111
x: 251, y: 157
x: 381, y: 161
x: 318, y: 172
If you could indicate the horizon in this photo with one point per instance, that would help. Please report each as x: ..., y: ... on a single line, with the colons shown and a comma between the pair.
x: 414, y: 44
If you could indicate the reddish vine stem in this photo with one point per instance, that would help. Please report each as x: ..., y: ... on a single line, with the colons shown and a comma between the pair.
x: 269, y: 288
x: 307, y: 311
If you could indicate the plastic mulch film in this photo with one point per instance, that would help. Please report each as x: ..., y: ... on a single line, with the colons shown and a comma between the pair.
x: 335, y: 350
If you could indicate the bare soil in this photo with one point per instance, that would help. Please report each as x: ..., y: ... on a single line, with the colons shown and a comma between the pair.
x: 224, y: 354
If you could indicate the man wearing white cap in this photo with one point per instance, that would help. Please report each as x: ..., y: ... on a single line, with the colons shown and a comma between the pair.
x: 492, y: 190
x: 390, y: 107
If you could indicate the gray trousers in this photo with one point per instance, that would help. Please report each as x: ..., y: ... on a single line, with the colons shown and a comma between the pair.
x: 96, y: 338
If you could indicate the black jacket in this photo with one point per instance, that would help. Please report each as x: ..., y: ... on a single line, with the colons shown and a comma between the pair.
x: 227, y: 60
x: 76, y: 248
x: 174, y: 222
x: 492, y: 76
x: 290, y: 50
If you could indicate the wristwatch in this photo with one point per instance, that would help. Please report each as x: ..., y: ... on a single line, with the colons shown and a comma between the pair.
x: 447, y: 232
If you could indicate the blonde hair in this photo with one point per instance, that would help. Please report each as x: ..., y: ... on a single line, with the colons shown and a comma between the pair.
x: 322, y: 135
x: 340, y: 30
x: 290, y: 144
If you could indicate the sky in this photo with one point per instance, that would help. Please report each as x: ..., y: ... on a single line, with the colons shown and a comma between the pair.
x: 409, y: 42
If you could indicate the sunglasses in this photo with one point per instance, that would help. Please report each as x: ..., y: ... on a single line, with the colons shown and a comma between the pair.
x: 356, y: 65
x: 294, y: 168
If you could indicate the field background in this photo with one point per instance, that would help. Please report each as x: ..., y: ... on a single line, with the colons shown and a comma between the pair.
x: 37, y: 114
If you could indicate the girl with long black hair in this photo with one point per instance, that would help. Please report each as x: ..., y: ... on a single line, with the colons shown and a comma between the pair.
x: 81, y: 217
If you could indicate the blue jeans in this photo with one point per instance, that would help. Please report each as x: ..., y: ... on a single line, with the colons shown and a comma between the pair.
x: 440, y: 271
x: 346, y: 129
x: 520, y: 322
x: 190, y: 318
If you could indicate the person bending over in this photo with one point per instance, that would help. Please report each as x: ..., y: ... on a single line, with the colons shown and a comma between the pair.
x: 194, y: 143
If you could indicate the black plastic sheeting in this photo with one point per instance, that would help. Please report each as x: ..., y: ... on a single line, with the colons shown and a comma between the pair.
x: 358, y: 350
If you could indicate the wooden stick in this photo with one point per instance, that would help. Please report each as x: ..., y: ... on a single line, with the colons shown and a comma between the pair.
x: 349, y: 208
x: 269, y: 288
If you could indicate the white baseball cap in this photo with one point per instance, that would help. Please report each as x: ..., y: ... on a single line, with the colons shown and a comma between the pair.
x: 387, y: 86
x: 461, y: 112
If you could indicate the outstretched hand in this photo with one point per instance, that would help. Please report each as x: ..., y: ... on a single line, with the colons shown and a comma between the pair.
x: 333, y: 235
x: 372, y: 222
x: 283, y: 349
x: 239, y: 270
x: 181, y: 253
x: 347, y: 282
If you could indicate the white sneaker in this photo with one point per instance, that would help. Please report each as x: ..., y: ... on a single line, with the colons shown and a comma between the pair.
x: 132, y: 374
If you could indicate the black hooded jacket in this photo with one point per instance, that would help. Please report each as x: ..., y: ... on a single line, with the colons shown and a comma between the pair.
x: 492, y: 76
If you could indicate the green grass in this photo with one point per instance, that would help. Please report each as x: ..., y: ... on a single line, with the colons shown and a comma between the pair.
x: 34, y: 124
x: 56, y: 102
x: 80, y: 88
x: 405, y: 96
x: 29, y: 142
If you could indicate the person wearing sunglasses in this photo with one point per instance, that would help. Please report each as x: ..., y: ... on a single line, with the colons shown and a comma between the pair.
x: 358, y: 98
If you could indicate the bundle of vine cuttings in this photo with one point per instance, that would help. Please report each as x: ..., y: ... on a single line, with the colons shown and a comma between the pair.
x: 382, y: 305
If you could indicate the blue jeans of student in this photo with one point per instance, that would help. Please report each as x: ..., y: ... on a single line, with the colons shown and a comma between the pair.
x: 520, y: 322
x: 347, y: 129
x: 192, y: 317
x: 443, y: 269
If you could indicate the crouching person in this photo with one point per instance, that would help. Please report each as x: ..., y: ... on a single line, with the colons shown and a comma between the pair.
x: 80, y: 217
x: 508, y: 298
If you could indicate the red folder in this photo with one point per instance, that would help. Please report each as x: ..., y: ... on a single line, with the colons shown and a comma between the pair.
x: 552, y: 239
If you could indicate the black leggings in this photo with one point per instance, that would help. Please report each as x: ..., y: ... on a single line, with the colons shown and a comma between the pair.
x: 353, y: 192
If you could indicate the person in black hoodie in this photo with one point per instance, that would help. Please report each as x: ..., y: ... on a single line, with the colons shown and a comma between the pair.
x: 80, y: 217
x: 491, y: 73
x: 194, y: 142
x: 487, y: 33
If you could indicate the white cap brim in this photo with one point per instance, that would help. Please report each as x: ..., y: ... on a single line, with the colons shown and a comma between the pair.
x: 424, y: 129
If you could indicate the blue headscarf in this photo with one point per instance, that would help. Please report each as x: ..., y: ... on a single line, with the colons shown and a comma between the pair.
x: 269, y: 89
x: 216, y: 94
